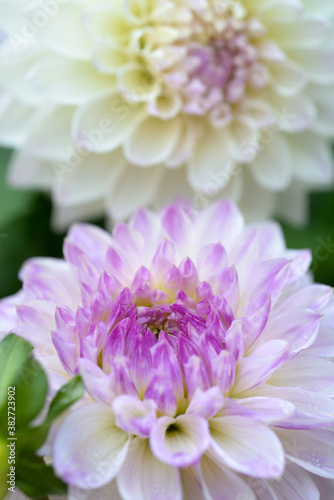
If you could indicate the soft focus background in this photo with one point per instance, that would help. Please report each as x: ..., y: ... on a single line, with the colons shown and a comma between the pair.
x: 25, y: 232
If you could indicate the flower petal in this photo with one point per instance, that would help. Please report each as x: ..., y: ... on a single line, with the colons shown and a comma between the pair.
x: 144, y: 477
x: 88, y: 449
x: 246, y: 446
x: 180, y: 442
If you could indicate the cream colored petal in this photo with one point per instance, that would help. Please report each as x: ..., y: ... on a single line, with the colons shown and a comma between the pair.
x: 137, y: 84
x: 288, y: 78
x: 68, y: 82
x: 152, y: 141
x: 213, y: 158
x: 105, y: 123
x: 63, y: 33
x: 272, y: 168
x: 312, y: 159
x: 318, y: 63
x: 15, y: 119
x: 135, y: 187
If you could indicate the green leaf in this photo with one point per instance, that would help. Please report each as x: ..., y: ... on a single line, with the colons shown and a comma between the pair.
x: 32, y: 438
x: 13, y: 201
x: 31, y: 391
x: 66, y: 397
x: 36, y: 479
x: 14, y: 352
x: 19, y: 369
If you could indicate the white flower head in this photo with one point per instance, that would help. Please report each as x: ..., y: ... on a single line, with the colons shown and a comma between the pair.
x: 115, y: 104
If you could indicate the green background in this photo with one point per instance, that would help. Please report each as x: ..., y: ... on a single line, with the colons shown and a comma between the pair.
x: 25, y: 232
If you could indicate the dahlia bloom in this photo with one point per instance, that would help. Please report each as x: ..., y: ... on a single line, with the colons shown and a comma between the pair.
x: 119, y: 103
x: 205, y: 351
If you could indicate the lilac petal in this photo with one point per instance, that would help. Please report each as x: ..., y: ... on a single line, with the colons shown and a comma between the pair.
x: 176, y: 224
x: 129, y: 241
x: 42, y: 342
x: 254, y: 370
x: 295, y: 483
x: 38, y: 314
x: 314, y: 297
x: 220, y: 483
x: 224, y: 371
x: 269, y: 277
x: 161, y: 390
x: 8, y: 316
x: 228, y: 286
x: 300, y: 263
x: 311, y: 449
x: 135, y: 416
x: 210, y: 260
x: 108, y: 492
x: 86, y: 239
x: 262, y: 409
x: 163, y: 259
x: 309, y: 373
x: 50, y: 279
x: 257, y: 317
x: 313, y: 410
x: 196, y: 375
x: 141, y: 361
x: 118, y: 266
x: 99, y: 385
x: 142, y: 283
x: 324, y: 343
x: 89, y: 450
x: 180, y: 441
x: 325, y: 487
x: 67, y: 350
x: 191, y: 484
x: 189, y: 276
x: 144, y: 477
x: 246, y: 446
x: 298, y: 327
x: 235, y: 339
x: 221, y: 220
x: 206, y: 404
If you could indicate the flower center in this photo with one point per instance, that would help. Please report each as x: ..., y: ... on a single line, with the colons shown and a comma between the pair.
x: 210, y: 61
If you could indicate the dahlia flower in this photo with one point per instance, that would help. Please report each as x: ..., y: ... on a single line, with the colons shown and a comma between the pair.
x: 119, y: 103
x: 205, y: 351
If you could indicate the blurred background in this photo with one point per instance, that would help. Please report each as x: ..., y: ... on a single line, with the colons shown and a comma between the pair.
x: 25, y: 232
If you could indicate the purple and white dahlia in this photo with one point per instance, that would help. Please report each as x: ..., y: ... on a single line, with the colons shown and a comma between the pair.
x: 205, y: 351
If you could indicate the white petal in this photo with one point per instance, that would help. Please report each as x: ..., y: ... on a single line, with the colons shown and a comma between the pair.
x: 108, y: 492
x: 295, y: 483
x: 220, y: 483
x: 144, y: 477
x: 180, y: 442
x: 311, y: 449
x: 246, y: 446
x: 88, y: 449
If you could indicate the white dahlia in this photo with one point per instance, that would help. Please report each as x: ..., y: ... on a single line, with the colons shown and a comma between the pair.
x: 117, y: 103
